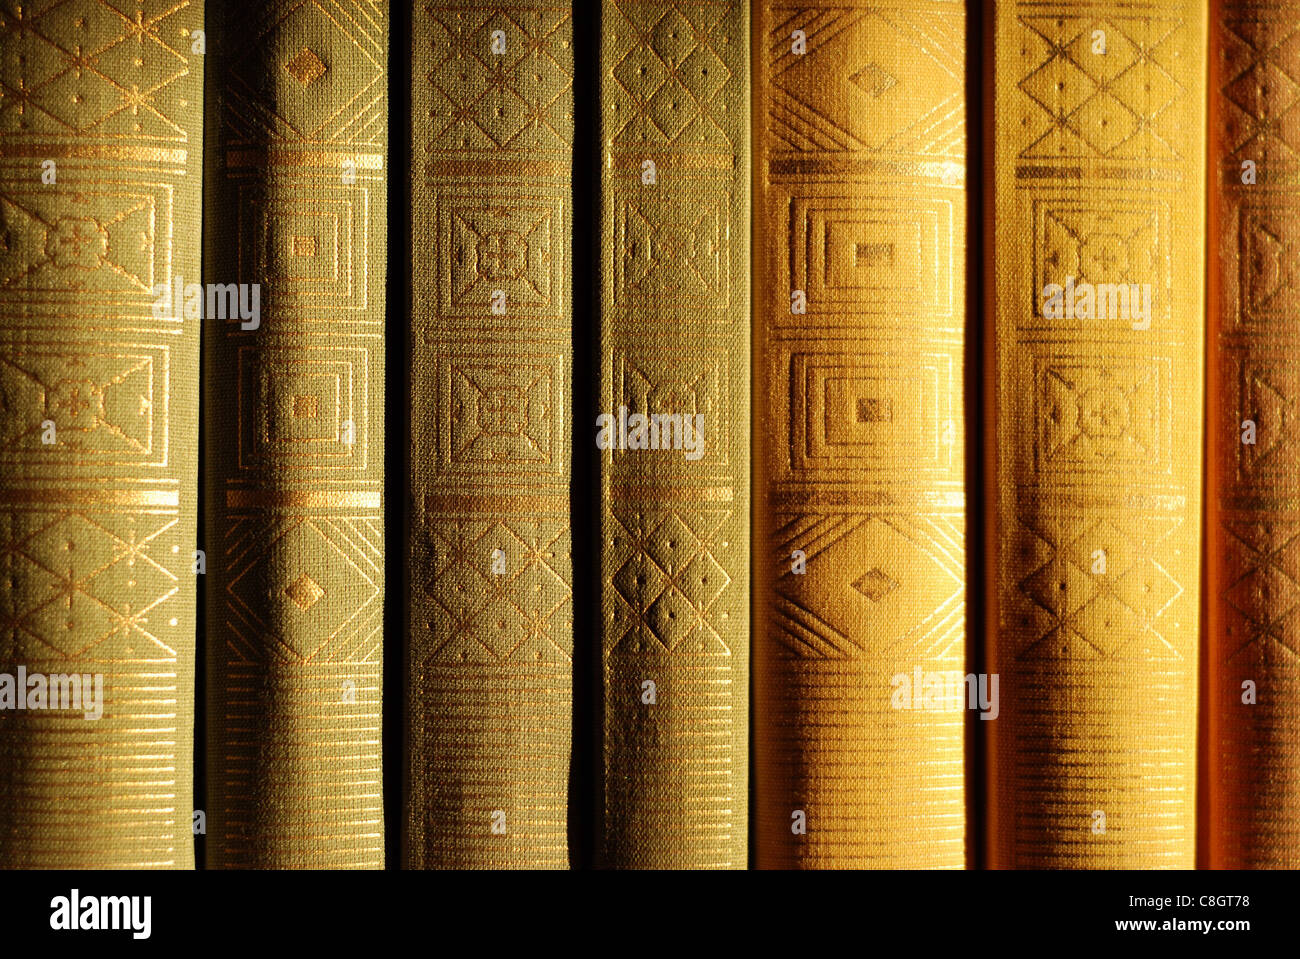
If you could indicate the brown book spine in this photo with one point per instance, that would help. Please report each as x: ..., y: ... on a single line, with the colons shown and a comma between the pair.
x: 1252, y: 754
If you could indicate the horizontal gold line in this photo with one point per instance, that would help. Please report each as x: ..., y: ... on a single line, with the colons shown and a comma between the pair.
x: 809, y: 165
x: 672, y: 161
x: 302, y: 499
x: 320, y: 158
x: 102, y: 151
x: 638, y: 491
x: 1049, y: 172
x: 498, y: 167
x: 497, y: 503
x: 100, y: 497
x: 860, y: 497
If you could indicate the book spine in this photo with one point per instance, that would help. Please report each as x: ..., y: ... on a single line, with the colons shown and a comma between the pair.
x: 295, y: 241
x: 673, y: 433
x: 859, y: 326
x: 489, y: 646
x: 99, y: 214
x: 1253, y: 463
x: 1096, y: 313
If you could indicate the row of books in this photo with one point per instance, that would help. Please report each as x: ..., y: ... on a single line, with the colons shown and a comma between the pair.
x: 791, y: 252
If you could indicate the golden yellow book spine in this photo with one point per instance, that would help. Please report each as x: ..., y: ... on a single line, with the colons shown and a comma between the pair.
x: 295, y: 242
x: 489, y: 651
x: 859, y: 325
x: 1096, y: 323
x: 101, y: 152
x: 1253, y: 463
x: 674, y: 433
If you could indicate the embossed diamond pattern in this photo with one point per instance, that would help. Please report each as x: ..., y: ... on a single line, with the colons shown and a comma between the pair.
x: 668, y: 583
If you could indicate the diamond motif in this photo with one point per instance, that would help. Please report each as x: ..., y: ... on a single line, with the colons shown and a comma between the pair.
x: 521, y: 100
x: 1095, y: 614
x: 703, y: 73
x: 336, y: 70
x: 71, y: 623
x: 502, y: 116
x: 1059, y: 87
x: 500, y: 626
x: 1159, y: 88
x: 1058, y: 587
x: 304, y: 591
x: 840, y: 616
x: 1102, y: 105
x: 51, y: 84
x: 668, y: 582
x: 1264, y: 91
x: 1121, y: 53
x: 1103, y: 535
x: 639, y: 581
x: 86, y: 586
x: 673, y: 38
x: 1264, y: 557
x: 482, y: 616
x: 875, y: 584
x: 703, y: 580
x: 329, y: 602
x: 640, y: 72
x: 670, y: 617
x: 1106, y: 624
x: 306, y: 67
x: 668, y: 83
x: 1104, y: 123
x: 857, y: 86
x: 132, y: 584
x: 1267, y: 97
x: 671, y: 543
x: 873, y: 79
x: 1147, y: 589
x: 460, y: 589
x: 671, y: 108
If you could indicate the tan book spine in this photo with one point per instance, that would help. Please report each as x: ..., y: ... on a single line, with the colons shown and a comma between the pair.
x: 674, y: 337
x: 101, y: 152
x: 489, y: 652
x: 294, y: 419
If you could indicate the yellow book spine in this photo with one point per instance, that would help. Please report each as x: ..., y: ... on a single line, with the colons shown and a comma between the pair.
x: 489, y: 648
x: 674, y: 433
x: 101, y: 153
x: 1096, y: 332
x: 859, y: 328
x: 296, y: 239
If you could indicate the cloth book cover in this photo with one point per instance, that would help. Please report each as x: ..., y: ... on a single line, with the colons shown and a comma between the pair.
x: 1252, y: 692
x: 1095, y: 337
x: 674, y: 434
x: 295, y: 237
x: 101, y: 152
x: 859, y: 326
x: 489, y: 643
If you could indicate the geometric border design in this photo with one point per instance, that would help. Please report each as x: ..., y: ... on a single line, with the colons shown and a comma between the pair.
x: 1116, y: 415
x: 898, y: 417
x: 912, y: 239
